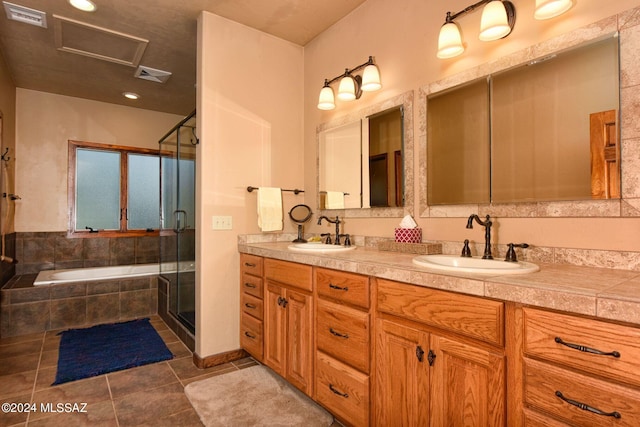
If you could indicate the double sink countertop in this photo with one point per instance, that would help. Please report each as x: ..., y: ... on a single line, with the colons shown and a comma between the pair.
x: 600, y: 292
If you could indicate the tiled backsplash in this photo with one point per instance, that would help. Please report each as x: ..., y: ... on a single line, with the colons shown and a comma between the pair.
x: 53, y: 250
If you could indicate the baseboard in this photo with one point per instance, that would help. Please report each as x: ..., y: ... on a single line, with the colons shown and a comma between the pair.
x: 218, y: 359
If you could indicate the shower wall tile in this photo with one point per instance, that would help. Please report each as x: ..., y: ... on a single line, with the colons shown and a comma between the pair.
x: 96, y: 250
x: 68, y: 250
x: 122, y: 251
x: 147, y: 250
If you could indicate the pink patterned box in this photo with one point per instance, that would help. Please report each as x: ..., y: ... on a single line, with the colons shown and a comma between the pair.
x: 409, y: 235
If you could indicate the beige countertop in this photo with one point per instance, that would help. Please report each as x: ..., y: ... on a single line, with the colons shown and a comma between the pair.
x: 601, y: 292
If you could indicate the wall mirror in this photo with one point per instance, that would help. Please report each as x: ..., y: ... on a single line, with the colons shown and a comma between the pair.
x: 547, y: 130
x: 365, y: 159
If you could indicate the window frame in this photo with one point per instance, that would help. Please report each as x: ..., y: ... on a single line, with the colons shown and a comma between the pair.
x: 73, y: 146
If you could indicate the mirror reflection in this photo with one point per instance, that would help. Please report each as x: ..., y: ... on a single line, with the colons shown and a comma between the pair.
x: 545, y: 131
x: 361, y: 163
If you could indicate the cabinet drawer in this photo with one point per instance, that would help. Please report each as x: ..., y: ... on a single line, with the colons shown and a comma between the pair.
x: 543, y: 329
x: 346, y: 287
x: 536, y: 419
x: 251, y: 305
x: 544, y: 381
x: 251, y: 285
x: 342, y: 390
x: 475, y: 317
x: 251, y: 335
x: 251, y: 264
x: 343, y: 333
x: 288, y: 273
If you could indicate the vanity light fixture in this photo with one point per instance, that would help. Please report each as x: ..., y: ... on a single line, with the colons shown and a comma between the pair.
x: 546, y: 9
x: 351, y: 85
x: 497, y: 21
x: 84, y: 5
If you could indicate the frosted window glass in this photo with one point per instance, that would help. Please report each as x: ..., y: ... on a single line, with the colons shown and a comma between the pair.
x: 143, y: 192
x: 97, y: 189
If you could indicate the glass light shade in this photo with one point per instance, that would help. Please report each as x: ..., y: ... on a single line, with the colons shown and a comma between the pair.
x: 546, y: 9
x: 371, y: 78
x: 494, y: 23
x: 347, y: 89
x: 84, y: 5
x: 449, y: 41
x: 326, y: 100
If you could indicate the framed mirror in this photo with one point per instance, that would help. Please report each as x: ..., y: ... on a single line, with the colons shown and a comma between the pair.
x: 547, y: 130
x: 365, y: 160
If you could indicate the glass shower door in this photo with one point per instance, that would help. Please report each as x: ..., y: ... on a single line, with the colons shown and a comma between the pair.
x: 177, y: 215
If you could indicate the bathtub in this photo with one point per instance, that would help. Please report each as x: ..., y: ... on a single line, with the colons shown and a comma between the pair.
x: 52, y: 277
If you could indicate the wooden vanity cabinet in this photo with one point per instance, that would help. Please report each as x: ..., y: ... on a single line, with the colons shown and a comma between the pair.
x: 251, y: 305
x: 343, y: 345
x: 288, y: 322
x: 579, y: 371
x: 439, y: 358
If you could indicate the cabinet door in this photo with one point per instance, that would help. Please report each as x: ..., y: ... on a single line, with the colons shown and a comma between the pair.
x: 467, y: 385
x: 299, y: 313
x: 402, y: 376
x: 274, y: 328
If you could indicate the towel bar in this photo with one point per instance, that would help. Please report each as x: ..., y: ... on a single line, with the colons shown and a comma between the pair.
x: 296, y: 191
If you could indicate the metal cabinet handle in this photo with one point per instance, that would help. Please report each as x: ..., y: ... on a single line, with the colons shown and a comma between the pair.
x: 338, y: 392
x: 247, y: 334
x: 338, y: 288
x: 282, y: 302
x: 250, y: 285
x: 249, y: 305
x: 419, y: 353
x: 431, y: 357
x: 587, y: 349
x: 249, y: 264
x: 338, y: 334
x: 585, y: 407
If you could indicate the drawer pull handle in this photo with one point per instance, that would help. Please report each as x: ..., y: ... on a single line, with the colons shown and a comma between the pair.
x: 338, y: 392
x: 249, y: 335
x: 249, y: 264
x: 250, y: 285
x: 338, y: 288
x: 585, y: 407
x: 282, y: 302
x: 338, y: 334
x: 249, y: 305
x: 587, y: 349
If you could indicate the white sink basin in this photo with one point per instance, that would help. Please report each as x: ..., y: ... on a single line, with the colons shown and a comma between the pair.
x: 474, y: 265
x: 322, y: 248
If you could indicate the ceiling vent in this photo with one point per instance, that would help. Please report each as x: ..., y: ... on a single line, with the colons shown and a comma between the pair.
x: 152, y: 74
x: 26, y: 15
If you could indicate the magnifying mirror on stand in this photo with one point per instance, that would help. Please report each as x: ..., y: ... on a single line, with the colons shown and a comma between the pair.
x: 300, y: 214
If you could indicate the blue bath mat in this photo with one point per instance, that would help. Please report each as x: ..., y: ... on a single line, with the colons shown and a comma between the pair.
x: 107, y: 348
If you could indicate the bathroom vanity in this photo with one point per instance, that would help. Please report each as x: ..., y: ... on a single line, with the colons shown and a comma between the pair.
x: 378, y: 340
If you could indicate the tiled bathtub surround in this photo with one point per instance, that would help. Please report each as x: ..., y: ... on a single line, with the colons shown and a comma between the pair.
x: 54, y: 251
x: 26, y: 309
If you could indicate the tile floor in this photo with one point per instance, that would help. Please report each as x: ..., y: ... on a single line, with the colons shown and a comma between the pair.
x: 150, y: 395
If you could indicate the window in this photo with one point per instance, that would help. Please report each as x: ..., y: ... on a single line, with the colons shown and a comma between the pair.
x: 113, y: 190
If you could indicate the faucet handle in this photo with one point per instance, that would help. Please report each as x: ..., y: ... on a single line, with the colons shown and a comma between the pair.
x: 466, y: 252
x: 511, y: 253
x: 347, y: 239
x: 328, y: 236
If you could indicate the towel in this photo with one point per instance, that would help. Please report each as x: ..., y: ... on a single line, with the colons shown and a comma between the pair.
x: 270, y: 209
x: 334, y: 200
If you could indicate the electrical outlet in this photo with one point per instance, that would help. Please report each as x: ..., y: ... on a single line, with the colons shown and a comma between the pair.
x: 221, y: 222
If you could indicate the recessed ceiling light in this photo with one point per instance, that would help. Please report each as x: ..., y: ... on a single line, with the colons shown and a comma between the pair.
x: 84, y: 5
x: 131, y: 95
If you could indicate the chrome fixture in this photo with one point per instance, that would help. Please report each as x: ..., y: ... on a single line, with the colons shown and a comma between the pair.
x: 351, y: 86
x: 511, y: 253
x: 487, y: 233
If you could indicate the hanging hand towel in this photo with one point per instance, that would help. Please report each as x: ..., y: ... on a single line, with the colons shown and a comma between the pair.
x: 270, y: 209
x: 334, y: 200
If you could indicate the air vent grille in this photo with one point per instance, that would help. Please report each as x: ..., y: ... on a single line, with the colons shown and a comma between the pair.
x: 24, y: 14
x: 152, y: 74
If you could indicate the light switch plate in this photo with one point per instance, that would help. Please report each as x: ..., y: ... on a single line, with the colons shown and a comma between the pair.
x: 221, y: 222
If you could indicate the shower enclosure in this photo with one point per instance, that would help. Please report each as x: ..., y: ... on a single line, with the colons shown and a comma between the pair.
x: 177, y: 219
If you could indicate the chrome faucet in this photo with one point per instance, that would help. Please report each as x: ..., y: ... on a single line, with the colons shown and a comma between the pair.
x: 337, y: 223
x: 487, y: 233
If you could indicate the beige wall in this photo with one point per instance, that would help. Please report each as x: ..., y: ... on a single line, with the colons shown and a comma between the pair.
x: 7, y: 139
x: 45, y: 122
x: 403, y: 39
x: 250, y: 120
